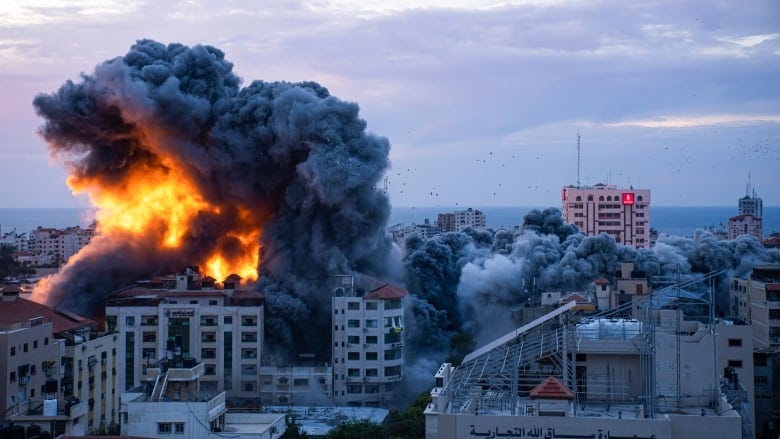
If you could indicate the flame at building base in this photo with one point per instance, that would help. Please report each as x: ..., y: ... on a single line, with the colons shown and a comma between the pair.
x: 272, y: 181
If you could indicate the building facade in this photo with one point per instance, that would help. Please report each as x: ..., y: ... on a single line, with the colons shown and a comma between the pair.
x: 624, y: 214
x: 368, y: 346
x: 188, y: 316
x: 461, y: 219
x: 745, y: 224
x: 756, y: 300
x: 55, y: 246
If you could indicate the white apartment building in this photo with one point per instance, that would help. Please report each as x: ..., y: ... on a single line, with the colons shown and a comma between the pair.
x: 188, y: 316
x: 174, y: 404
x: 622, y: 213
x: 751, y: 205
x: 58, y: 245
x: 368, y: 347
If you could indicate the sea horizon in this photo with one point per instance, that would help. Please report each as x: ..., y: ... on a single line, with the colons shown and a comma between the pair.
x: 673, y: 220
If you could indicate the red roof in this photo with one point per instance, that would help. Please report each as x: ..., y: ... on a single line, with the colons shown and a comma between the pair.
x: 386, y: 291
x: 551, y: 388
x: 21, y: 310
x: 601, y: 281
x: 773, y: 287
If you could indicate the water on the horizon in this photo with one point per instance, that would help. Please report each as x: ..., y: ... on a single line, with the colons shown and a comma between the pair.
x: 680, y: 221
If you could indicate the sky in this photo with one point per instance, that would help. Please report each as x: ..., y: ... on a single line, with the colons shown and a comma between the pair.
x: 482, y: 101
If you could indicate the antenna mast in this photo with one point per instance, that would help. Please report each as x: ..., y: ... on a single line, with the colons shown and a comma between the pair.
x: 578, y: 159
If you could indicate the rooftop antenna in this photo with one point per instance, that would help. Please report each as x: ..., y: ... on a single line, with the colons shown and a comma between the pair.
x: 578, y: 159
x: 747, y: 188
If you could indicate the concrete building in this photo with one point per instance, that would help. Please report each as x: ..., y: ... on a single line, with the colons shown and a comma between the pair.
x: 56, y: 246
x: 296, y: 385
x: 622, y: 213
x: 751, y: 205
x: 745, y: 224
x: 189, y: 316
x: 400, y: 232
x: 658, y: 377
x: 368, y: 343
x: 172, y: 403
x: 460, y: 219
x: 41, y: 389
x: 756, y: 300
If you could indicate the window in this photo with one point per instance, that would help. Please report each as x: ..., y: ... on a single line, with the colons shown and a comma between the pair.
x: 46, y: 341
x: 371, y: 323
x: 371, y: 339
x: 735, y: 342
x: 228, y: 320
x: 353, y: 323
x: 760, y: 379
x: 353, y: 339
x: 13, y: 377
x: 372, y: 372
x: 371, y: 356
x: 13, y: 350
x: 353, y: 355
x: 212, y: 303
x: 372, y: 306
x: 353, y: 306
x: 130, y: 321
x: 164, y: 428
x: 353, y: 372
x: 25, y: 347
x: 354, y: 388
x: 735, y: 363
x: 193, y: 302
x: 35, y: 344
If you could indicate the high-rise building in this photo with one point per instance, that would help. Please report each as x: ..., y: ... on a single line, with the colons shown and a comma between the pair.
x: 749, y: 221
x: 460, y: 219
x: 622, y: 213
x: 745, y: 224
x: 190, y: 317
x: 368, y: 348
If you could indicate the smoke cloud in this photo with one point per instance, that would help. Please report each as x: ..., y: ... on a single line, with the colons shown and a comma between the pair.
x: 283, y: 168
x: 478, y: 287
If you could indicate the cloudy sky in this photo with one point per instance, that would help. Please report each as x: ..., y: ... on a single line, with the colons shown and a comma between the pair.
x: 481, y: 100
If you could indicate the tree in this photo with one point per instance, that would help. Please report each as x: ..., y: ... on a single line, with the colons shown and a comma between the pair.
x: 293, y: 428
x: 356, y: 430
x: 10, y: 267
x: 408, y: 423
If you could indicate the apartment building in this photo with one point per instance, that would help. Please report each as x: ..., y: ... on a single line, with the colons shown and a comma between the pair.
x: 757, y: 300
x: 622, y: 213
x: 58, y: 376
x: 745, y: 224
x: 461, y: 219
x: 56, y: 246
x: 368, y: 346
x: 191, y: 316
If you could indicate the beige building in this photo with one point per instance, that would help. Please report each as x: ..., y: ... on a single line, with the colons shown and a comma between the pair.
x: 192, y: 317
x: 59, y: 369
x: 460, y: 219
x: 55, y: 246
x: 624, y: 214
x: 368, y: 343
x: 756, y: 300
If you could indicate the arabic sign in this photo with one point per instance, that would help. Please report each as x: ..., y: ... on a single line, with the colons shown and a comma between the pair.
x: 180, y: 312
x: 552, y: 427
x: 550, y: 433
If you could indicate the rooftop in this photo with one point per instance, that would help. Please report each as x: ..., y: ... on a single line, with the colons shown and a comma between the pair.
x: 15, y: 310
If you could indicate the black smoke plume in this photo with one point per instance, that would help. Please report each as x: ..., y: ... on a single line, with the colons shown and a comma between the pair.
x: 296, y: 158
